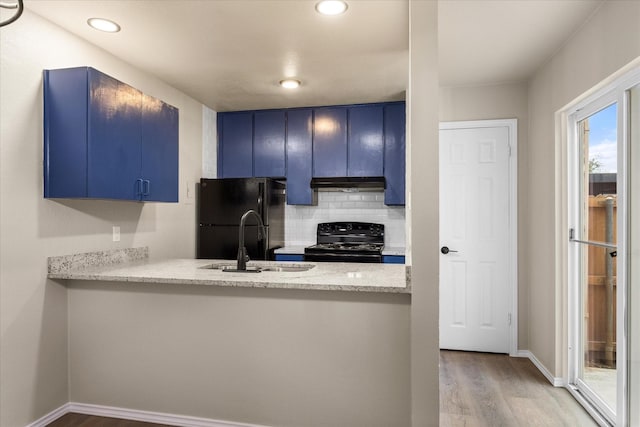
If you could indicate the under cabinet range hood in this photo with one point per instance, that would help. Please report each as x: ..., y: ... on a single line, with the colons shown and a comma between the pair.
x: 370, y: 183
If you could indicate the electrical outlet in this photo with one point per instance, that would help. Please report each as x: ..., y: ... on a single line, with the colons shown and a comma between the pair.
x: 191, y: 188
x: 116, y: 233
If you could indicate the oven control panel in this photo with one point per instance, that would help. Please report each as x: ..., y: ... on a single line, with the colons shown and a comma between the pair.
x: 350, y: 228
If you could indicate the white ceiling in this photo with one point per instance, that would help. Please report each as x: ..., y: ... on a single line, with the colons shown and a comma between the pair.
x: 493, y: 41
x: 230, y: 54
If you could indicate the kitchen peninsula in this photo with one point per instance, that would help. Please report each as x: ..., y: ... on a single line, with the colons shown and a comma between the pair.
x: 326, y: 346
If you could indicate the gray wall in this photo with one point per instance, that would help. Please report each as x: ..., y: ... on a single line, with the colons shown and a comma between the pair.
x: 265, y: 356
x: 33, y: 310
x: 421, y: 211
x: 505, y: 101
x: 609, y: 41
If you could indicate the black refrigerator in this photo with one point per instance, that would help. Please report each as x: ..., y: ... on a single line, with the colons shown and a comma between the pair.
x: 221, y: 204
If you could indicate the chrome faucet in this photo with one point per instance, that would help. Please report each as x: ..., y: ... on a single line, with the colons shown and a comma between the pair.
x: 242, y: 251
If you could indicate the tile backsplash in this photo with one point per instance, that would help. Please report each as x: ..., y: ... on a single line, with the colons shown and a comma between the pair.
x: 301, y: 221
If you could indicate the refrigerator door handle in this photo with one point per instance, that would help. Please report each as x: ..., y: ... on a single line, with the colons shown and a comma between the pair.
x: 261, y: 200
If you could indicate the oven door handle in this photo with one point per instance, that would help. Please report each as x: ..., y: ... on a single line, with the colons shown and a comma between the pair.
x: 333, y: 257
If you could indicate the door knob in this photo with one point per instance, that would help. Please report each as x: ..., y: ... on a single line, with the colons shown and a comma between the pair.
x: 445, y: 250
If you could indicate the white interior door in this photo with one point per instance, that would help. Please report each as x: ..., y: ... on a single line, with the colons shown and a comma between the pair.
x: 475, y: 295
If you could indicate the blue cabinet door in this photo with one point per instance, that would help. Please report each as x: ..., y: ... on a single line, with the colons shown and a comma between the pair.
x: 299, y: 157
x: 159, y: 172
x: 65, y: 133
x: 114, y: 157
x: 330, y: 142
x: 269, y: 144
x: 235, y: 145
x: 366, y: 141
x: 394, y: 153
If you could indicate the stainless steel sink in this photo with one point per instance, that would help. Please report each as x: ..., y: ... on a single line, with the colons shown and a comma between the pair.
x: 232, y: 268
x: 289, y: 268
x: 280, y: 268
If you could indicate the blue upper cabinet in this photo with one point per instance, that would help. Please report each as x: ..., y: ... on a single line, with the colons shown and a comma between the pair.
x: 107, y: 140
x: 366, y: 142
x: 65, y: 133
x: 235, y: 149
x: 160, y: 145
x: 330, y: 142
x: 299, y: 157
x: 114, y: 157
x: 394, y: 153
x: 269, y: 143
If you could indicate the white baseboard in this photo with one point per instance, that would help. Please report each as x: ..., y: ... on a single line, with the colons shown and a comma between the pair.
x: 50, y: 417
x: 555, y: 381
x: 135, y: 415
x: 188, y: 421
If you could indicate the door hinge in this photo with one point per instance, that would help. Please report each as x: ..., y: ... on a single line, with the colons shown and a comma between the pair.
x: 509, y: 319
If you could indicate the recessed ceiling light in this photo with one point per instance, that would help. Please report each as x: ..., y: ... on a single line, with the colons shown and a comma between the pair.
x: 289, y: 83
x: 103, y: 25
x: 331, y: 7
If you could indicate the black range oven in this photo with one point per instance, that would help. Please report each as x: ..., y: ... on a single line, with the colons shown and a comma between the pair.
x: 347, y: 242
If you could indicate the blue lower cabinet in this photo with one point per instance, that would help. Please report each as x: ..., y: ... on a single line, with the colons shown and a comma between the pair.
x: 289, y: 257
x: 393, y: 259
x: 107, y: 140
x: 387, y: 259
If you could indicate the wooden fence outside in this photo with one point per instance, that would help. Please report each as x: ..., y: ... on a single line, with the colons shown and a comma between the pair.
x: 601, y: 349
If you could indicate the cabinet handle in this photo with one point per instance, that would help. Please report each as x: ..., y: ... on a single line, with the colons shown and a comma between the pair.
x: 146, y: 187
x: 138, y: 187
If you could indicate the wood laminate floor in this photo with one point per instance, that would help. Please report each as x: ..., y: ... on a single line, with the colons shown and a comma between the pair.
x: 79, y: 420
x: 476, y: 390
x: 483, y: 389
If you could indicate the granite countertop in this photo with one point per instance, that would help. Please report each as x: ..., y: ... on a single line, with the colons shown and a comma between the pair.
x: 393, y: 250
x: 133, y: 265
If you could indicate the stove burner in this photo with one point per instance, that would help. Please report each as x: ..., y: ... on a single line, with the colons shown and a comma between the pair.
x: 347, y: 246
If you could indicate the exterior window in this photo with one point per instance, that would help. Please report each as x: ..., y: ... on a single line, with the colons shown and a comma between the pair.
x: 604, y: 251
x: 596, y: 248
